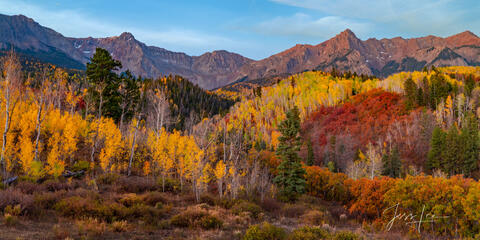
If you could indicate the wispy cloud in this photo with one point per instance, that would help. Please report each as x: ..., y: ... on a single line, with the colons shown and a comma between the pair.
x: 76, y: 23
x: 303, y: 25
x: 441, y: 17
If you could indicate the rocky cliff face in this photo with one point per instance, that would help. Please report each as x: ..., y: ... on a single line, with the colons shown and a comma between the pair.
x: 344, y: 52
x: 382, y: 57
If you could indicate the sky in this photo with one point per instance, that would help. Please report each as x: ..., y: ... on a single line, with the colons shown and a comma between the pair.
x: 252, y: 28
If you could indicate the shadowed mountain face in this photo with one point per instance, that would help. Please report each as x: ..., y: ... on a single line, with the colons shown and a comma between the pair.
x: 344, y: 52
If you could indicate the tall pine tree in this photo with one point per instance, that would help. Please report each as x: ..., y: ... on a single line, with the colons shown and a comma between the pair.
x: 410, y: 89
x: 391, y: 163
x: 469, y: 145
x: 437, y: 146
x: 104, y: 83
x: 290, y: 178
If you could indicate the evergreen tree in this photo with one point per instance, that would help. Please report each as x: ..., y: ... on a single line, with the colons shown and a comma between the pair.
x: 310, y: 155
x: 419, y: 97
x: 391, y: 163
x: 439, y: 89
x: 290, y: 178
x: 469, y: 85
x: 410, y: 93
x: 437, y: 146
x: 104, y: 83
x: 452, y: 154
x: 130, y: 95
x: 469, y: 145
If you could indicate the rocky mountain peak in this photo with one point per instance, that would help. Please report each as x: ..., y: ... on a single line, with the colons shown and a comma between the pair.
x: 126, y: 36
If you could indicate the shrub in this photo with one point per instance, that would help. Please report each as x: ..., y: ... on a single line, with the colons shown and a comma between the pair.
x: 226, y: 202
x: 130, y: 199
x: 187, y: 218
x: 13, y: 210
x: 91, y: 226
x: 368, y: 195
x: 59, y: 232
x: 264, y: 231
x: 28, y: 187
x: 210, y: 222
x: 81, y: 165
x: 346, y: 236
x: 78, y: 207
x: 154, y: 198
x: 54, y: 185
x: 134, y: 184
x: 208, y: 199
x: 195, y: 218
x: 270, y: 205
x: 147, y: 213
x: 244, y: 206
x: 108, y: 178
x: 293, y: 210
x: 74, y: 206
x: 313, y: 217
x: 14, y: 197
x: 309, y: 233
x: 47, y: 200
x: 326, y: 185
x: 120, y: 226
x: 10, y: 220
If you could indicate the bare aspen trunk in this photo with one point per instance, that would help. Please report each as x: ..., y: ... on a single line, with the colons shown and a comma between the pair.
x: 132, y: 149
x: 220, y: 187
x: 5, y: 131
x: 38, y: 128
x: 94, y: 143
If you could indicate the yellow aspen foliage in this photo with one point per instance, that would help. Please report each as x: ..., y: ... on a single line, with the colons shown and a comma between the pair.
x: 112, y: 143
x: 159, y: 152
x: 27, y: 129
x: 220, y: 170
x: 55, y: 166
x: 448, y: 104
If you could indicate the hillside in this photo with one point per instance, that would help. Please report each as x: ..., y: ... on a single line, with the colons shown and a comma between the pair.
x: 313, y: 156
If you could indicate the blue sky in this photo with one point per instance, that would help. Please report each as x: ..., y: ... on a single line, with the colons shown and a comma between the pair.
x: 253, y: 28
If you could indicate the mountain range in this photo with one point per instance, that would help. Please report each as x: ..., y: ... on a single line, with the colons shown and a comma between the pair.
x: 345, y: 52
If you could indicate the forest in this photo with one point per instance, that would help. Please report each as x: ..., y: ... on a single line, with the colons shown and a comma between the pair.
x: 316, y: 155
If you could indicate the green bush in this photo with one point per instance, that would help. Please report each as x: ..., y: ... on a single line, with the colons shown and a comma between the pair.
x: 309, y: 233
x: 264, y: 231
x: 346, y: 236
x: 81, y: 165
x: 244, y: 206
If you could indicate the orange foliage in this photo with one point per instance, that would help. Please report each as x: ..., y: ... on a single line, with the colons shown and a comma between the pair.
x: 368, y: 195
x: 325, y: 184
